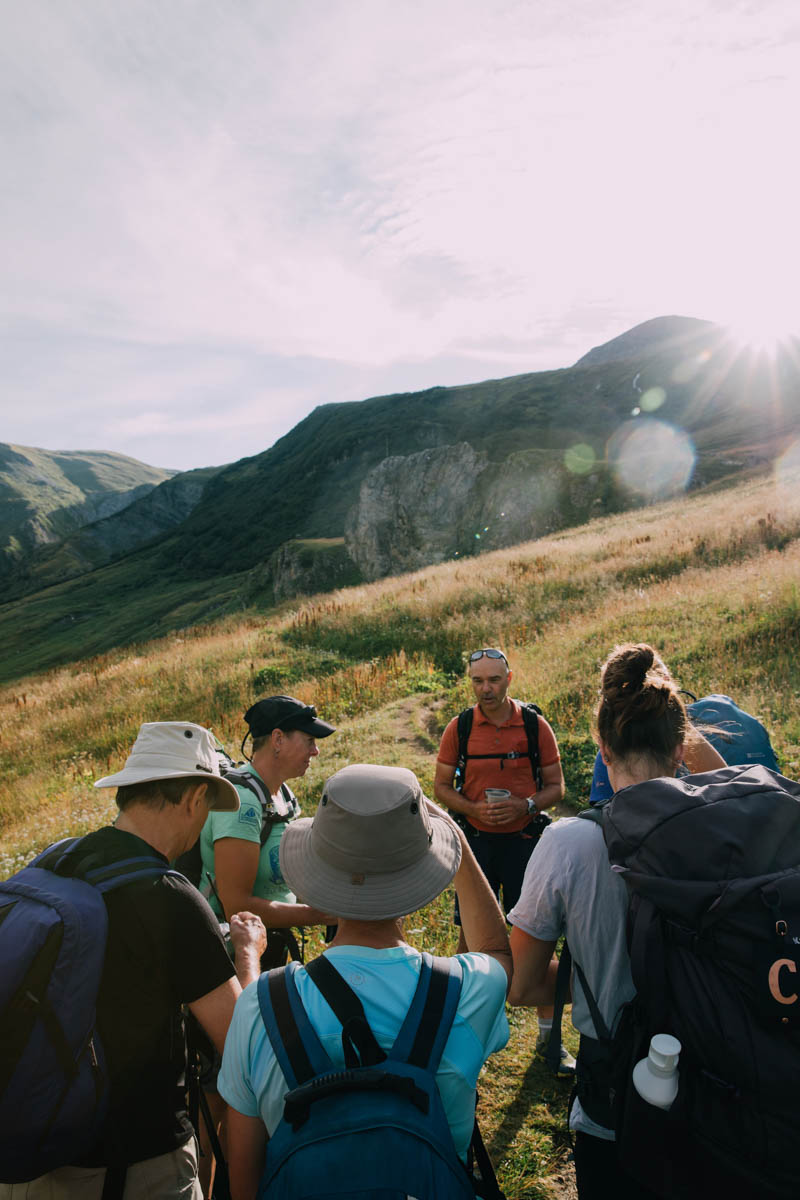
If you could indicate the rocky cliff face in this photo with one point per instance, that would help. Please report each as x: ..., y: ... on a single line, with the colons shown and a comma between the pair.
x: 427, y: 507
x: 301, y: 567
x: 416, y: 510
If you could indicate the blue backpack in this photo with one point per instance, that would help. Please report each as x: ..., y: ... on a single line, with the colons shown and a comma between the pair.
x: 53, y: 1081
x: 743, y: 740
x: 376, y: 1128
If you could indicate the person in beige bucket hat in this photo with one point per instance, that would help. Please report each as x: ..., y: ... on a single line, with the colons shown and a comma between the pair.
x: 175, y: 750
x: 163, y: 950
x: 376, y: 850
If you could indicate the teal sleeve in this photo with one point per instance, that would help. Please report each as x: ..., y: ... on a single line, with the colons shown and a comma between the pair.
x: 244, y: 824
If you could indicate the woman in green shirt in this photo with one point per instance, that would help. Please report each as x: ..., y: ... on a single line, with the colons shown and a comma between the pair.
x: 240, y: 851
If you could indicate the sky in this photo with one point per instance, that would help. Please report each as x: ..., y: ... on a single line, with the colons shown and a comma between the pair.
x: 219, y: 214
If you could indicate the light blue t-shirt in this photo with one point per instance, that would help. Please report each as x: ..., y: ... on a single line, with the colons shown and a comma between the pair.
x: 385, y: 980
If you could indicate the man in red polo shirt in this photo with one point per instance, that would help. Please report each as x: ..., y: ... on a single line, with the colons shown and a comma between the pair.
x: 497, y: 828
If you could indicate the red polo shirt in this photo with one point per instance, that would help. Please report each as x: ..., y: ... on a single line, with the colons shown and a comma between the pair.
x: 512, y: 773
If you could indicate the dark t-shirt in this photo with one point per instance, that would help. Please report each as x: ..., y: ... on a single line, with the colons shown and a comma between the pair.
x: 164, y: 949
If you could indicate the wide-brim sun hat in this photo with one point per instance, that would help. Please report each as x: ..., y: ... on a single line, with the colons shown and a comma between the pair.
x: 174, y: 750
x: 374, y: 850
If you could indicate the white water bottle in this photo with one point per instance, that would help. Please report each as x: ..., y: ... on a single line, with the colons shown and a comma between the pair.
x: 656, y: 1077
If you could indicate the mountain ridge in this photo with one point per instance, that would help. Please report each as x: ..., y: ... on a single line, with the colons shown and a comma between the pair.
x: 539, y: 435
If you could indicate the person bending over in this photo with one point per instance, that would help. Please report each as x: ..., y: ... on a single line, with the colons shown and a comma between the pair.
x: 376, y: 851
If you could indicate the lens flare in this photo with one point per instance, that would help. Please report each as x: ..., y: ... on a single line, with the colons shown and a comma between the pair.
x: 651, y: 458
x: 579, y: 459
x: 652, y: 399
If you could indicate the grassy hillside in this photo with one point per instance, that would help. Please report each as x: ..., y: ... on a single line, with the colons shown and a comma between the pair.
x: 93, y: 545
x: 45, y: 495
x: 740, y: 411
x: 712, y: 581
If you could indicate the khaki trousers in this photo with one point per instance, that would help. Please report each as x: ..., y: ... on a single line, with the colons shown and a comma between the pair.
x: 170, y: 1176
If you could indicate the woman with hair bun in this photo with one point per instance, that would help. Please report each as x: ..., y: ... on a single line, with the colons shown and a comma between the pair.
x: 569, y: 888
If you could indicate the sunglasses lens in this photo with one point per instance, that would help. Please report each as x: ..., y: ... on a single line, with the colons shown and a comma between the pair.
x: 477, y: 654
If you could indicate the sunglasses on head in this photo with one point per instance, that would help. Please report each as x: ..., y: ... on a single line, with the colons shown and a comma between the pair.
x: 477, y: 654
x: 308, y: 711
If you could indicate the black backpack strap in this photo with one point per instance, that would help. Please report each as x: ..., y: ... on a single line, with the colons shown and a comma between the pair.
x: 359, y: 1043
x: 530, y: 719
x: 566, y: 964
x: 425, y: 1030
x: 294, y: 1040
x: 478, y: 1156
x: 269, y: 814
x: 463, y: 729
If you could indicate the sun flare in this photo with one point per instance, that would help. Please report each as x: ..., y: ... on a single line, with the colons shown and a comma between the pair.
x: 765, y: 326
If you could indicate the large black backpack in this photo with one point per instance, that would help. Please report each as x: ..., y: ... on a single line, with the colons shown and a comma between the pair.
x: 712, y: 865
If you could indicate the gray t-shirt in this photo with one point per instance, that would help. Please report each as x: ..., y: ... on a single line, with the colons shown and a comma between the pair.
x: 569, y: 888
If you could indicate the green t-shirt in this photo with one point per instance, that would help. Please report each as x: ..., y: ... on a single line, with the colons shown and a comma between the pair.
x: 246, y: 824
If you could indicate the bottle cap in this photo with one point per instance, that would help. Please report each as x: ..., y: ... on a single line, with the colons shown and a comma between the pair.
x: 663, y: 1053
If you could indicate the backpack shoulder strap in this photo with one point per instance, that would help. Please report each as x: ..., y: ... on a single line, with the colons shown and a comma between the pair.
x: 566, y: 964
x: 74, y: 858
x: 464, y: 729
x: 594, y: 814
x: 425, y: 1030
x: 294, y: 1040
x: 252, y: 783
x: 359, y: 1043
x: 530, y: 719
x: 291, y: 802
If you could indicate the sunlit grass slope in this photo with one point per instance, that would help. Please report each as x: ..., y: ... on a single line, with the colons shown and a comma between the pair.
x: 712, y: 581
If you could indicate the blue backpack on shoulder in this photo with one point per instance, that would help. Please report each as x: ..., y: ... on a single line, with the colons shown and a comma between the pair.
x: 53, y: 1083
x: 376, y: 1129
x: 740, y: 738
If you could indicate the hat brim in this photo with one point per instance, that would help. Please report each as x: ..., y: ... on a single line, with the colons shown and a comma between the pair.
x: 376, y: 897
x: 223, y: 795
x: 312, y: 725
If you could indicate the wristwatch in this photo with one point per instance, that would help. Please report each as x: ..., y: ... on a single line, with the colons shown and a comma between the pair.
x: 532, y: 807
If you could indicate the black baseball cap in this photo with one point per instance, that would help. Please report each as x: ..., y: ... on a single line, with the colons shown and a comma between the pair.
x: 286, y: 713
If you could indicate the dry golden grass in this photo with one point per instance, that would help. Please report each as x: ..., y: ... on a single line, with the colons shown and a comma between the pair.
x: 696, y: 577
x: 711, y: 580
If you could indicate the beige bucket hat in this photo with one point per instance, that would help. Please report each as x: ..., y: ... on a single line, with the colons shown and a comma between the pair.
x: 171, y: 750
x: 374, y: 850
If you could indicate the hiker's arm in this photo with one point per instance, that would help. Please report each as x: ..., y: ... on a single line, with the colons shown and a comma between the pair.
x: 447, y: 795
x: 247, y: 1142
x: 215, y: 1009
x: 249, y: 940
x: 699, y: 755
x: 235, y: 870
x: 552, y: 789
x: 535, y: 968
x: 482, y: 922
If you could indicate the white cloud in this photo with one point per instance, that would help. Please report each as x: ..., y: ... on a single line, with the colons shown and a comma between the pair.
x: 379, y: 185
